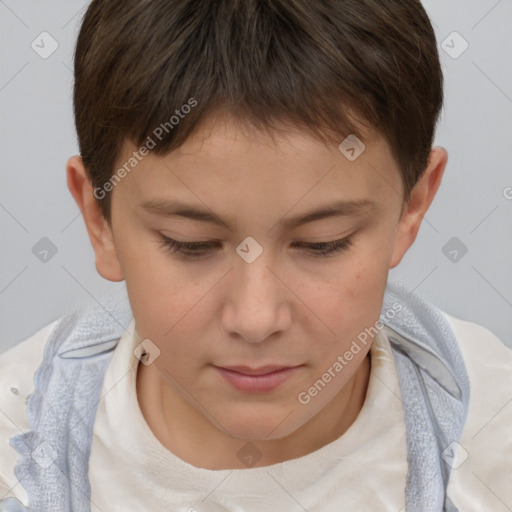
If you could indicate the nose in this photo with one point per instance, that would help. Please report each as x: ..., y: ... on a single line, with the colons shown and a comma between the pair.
x: 257, y: 303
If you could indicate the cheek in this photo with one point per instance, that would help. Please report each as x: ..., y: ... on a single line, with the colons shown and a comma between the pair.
x: 169, y: 305
x: 364, y: 296
x: 156, y: 290
x: 348, y: 304
x: 350, y: 292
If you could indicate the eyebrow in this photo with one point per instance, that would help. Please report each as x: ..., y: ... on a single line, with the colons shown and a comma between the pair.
x: 168, y: 208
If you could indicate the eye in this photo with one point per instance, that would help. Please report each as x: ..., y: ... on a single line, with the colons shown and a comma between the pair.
x: 327, y: 248
x: 195, y: 249
x: 198, y: 249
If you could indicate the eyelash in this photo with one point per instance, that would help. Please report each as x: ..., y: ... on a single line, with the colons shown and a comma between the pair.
x: 320, y: 249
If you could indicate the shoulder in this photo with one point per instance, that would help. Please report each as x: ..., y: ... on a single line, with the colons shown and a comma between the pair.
x: 488, y: 363
x: 17, y: 368
x: 484, y: 458
x: 471, y: 336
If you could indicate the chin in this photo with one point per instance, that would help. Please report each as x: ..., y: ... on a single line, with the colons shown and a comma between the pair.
x: 260, y: 427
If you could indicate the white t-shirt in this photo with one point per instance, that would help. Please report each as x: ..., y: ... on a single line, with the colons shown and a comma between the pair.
x: 364, y: 469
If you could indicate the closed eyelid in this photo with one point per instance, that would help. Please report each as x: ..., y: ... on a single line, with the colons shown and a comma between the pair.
x: 197, y: 250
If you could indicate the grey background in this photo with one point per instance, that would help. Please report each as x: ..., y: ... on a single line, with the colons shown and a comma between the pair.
x: 474, y: 203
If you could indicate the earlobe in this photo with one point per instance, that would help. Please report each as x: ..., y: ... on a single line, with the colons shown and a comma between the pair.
x: 100, y: 233
x: 422, y: 196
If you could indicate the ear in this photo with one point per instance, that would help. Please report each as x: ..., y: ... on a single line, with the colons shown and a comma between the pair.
x: 421, y: 198
x: 100, y: 233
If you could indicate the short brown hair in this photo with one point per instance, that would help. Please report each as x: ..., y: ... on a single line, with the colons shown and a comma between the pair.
x: 266, y: 62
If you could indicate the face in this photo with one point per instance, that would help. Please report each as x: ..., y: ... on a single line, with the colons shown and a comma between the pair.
x: 255, y: 279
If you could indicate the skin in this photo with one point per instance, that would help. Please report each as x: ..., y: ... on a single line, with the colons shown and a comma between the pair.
x: 287, y: 307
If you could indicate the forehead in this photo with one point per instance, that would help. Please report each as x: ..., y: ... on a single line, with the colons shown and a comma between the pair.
x: 226, y: 162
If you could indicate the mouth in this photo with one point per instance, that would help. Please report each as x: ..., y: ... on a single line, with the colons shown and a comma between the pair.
x: 262, y: 370
x: 257, y: 380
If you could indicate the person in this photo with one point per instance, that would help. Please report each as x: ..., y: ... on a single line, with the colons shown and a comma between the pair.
x: 252, y: 171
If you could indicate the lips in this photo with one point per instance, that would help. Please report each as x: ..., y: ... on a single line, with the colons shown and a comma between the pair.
x: 262, y: 370
x: 257, y: 380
